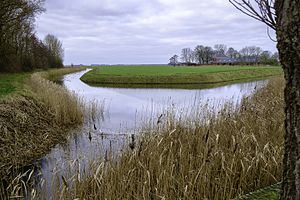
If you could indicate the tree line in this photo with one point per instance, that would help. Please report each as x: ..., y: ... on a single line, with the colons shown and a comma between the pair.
x: 20, y: 48
x: 220, y: 54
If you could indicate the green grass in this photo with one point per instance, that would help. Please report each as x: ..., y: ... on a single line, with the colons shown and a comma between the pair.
x: 138, y: 75
x: 11, y: 83
x: 268, y: 193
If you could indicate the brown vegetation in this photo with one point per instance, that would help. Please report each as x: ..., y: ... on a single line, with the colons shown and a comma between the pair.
x: 217, y: 157
x: 32, y: 123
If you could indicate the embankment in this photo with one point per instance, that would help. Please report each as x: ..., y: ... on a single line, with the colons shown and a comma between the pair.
x: 35, y: 119
x: 190, y: 77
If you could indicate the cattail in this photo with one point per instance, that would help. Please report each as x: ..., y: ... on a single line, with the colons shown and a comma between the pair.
x: 132, y: 143
x: 159, y: 120
x: 64, y: 181
x: 206, y: 136
x: 90, y: 136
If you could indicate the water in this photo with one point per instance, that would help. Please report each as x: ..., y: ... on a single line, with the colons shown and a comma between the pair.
x: 125, y: 110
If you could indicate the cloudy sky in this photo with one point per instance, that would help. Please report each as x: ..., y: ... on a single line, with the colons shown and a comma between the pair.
x: 145, y: 31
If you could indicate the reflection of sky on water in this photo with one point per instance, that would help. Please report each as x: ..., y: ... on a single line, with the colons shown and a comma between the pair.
x: 125, y: 108
x: 126, y: 105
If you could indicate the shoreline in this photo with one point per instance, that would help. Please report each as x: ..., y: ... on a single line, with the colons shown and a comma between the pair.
x: 164, y: 76
x: 30, y: 121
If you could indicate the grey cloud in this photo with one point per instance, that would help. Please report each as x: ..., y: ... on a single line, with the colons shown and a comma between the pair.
x: 145, y: 31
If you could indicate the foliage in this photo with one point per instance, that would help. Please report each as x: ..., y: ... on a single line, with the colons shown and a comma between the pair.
x: 20, y: 49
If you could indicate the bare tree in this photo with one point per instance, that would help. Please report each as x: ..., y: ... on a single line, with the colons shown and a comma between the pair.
x: 220, y: 48
x: 265, y: 57
x: 284, y: 16
x: 261, y: 10
x: 245, y: 54
x: 187, y: 55
x: 199, y: 54
x: 56, y: 50
x: 231, y: 52
x: 208, y: 54
x: 256, y: 53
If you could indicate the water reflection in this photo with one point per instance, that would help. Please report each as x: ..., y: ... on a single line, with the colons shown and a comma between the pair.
x: 125, y: 110
x: 127, y: 106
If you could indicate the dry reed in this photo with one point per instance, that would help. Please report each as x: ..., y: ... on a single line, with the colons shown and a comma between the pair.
x: 217, y: 157
x: 65, y: 106
x: 31, y: 123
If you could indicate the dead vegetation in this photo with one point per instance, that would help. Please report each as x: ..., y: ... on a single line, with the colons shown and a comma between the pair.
x: 221, y: 157
x: 31, y: 123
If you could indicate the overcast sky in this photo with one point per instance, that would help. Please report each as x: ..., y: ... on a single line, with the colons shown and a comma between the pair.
x: 145, y: 31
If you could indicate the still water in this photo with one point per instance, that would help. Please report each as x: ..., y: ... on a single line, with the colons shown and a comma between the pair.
x: 125, y: 111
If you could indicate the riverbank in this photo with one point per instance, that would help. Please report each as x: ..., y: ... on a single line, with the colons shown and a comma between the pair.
x: 222, y: 157
x: 34, y: 116
x: 159, y: 76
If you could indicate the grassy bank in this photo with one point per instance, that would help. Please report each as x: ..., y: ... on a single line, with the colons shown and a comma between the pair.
x: 212, y: 157
x: 136, y: 76
x: 32, y: 121
x: 10, y: 83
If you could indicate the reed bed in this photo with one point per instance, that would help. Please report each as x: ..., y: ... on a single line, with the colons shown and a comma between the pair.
x: 31, y: 123
x: 65, y: 106
x: 221, y: 156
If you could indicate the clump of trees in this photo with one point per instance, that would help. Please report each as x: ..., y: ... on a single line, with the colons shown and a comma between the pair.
x: 20, y: 48
x: 220, y: 54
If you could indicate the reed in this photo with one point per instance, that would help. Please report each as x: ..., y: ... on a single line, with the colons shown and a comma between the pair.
x: 213, y: 156
x: 66, y: 106
x: 55, y: 75
x: 31, y: 123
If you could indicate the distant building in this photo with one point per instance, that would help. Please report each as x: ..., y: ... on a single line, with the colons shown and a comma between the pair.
x: 223, y: 59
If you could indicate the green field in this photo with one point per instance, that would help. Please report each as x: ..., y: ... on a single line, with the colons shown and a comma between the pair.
x: 147, y: 75
x: 10, y: 83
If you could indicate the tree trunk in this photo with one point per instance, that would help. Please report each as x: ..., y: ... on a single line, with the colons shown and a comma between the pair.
x: 288, y: 36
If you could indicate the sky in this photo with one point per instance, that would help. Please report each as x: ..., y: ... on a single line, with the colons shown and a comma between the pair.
x: 146, y: 31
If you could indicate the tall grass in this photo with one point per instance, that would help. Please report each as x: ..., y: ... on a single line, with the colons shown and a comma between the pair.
x: 66, y: 106
x: 31, y: 123
x: 56, y: 74
x: 218, y: 157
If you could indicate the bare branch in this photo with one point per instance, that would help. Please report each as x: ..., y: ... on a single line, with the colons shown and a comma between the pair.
x: 264, y: 12
x: 269, y: 35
